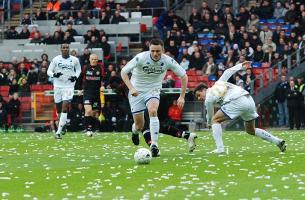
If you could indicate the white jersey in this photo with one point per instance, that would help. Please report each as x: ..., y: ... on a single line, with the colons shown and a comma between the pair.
x: 148, y: 74
x: 223, y: 92
x: 68, y: 67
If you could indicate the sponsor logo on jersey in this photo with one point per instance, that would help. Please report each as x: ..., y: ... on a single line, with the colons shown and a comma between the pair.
x: 153, y: 70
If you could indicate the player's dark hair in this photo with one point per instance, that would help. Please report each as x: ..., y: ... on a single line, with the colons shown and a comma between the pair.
x: 157, y: 42
x: 200, y: 87
x: 64, y: 44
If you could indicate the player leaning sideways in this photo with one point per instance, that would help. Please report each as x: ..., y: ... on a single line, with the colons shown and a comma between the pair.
x: 92, y: 87
x: 234, y: 102
x: 65, y: 69
x: 147, y: 72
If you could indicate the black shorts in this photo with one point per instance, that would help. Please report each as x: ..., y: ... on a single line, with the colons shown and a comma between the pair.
x: 95, y: 102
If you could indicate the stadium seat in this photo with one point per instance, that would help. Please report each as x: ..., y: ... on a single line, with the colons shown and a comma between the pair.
x: 25, y: 106
x: 271, y: 21
x: 47, y: 87
x: 178, y: 83
x: 191, y: 73
x: 192, y: 78
x: 192, y: 84
x: 136, y: 14
x: 36, y: 88
x: 25, y: 99
x: 212, y: 78
x: 202, y: 79
x: 256, y: 65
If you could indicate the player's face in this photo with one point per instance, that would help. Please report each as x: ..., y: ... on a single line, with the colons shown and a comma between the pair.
x: 156, y: 52
x: 93, y: 60
x: 200, y: 95
x: 65, y: 49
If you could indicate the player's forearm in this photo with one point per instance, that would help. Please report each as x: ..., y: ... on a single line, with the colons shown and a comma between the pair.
x: 184, y: 81
x: 50, y: 73
x: 126, y: 80
x: 210, y: 112
x: 229, y: 72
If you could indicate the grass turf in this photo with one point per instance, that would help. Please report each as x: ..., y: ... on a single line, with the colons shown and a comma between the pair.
x: 36, y: 166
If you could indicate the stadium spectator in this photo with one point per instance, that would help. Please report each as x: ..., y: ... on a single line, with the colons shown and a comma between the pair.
x: 81, y: 19
x: 279, y: 11
x: 168, y: 82
x: 57, y: 39
x: 114, y: 81
x: 68, y: 38
x: 14, y: 110
x: 71, y: 30
x: 106, y: 47
x: 295, y: 101
x: 84, y: 59
x: 12, y: 33
x: 174, y: 113
x: 36, y: 38
x: 239, y: 81
x: 291, y: 15
x: 265, y: 34
x: 53, y: 7
x: 40, y: 15
x: 47, y: 39
x: 117, y: 18
x: 94, y: 43
x: 209, y: 68
x: 3, y: 117
x: 269, y: 55
x: 197, y: 61
x: 42, y: 74
x: 65, y: 5
x: 281, y: 92
x: 77, y: 5
x: 104, y: 18
x: 32, y: 75
x: 26, y: 20
x: 185, y: 63
x: 259, y: 54
x: 24, y: 33
x: 300, y: 86
x: 24, y: 87
x: 34, y: 31
x: 249, y: 75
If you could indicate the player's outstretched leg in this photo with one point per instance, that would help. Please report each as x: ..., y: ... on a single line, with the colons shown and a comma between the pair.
x: 175, y: 132
x: 281, y: 144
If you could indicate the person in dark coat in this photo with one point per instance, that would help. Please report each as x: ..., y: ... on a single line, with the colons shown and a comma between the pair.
x: 281, y: 98
x: 294, y: 101
x: 14, y: 109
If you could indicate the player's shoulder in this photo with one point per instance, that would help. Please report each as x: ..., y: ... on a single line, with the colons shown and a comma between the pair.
x: 142, y: 56
x: 74, y: 58
x: 168, y: 59
x: 57, y: 57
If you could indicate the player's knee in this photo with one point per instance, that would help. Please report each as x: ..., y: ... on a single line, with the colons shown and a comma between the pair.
x: 139, y: 126
x: 215, y: 120
x: 153, y: 112
x: 250, y: 129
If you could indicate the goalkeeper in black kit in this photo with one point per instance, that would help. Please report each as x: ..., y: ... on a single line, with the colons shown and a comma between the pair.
x: 92, y: 87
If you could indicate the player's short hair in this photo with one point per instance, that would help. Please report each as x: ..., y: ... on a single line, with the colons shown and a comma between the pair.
x: 156, y: 42
x: 200, y: 87
x: 64, y: 44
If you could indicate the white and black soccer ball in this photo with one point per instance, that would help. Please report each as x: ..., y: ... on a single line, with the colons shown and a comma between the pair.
x: 142, y: 156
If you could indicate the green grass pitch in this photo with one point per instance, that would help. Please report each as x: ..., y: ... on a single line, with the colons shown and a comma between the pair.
x: 36, y: 166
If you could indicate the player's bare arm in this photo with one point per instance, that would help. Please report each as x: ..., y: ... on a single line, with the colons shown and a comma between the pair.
x: 126, y: 80
x: 181, y: 99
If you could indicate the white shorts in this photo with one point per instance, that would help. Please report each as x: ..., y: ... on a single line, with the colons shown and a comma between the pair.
x: 138, y: 103
x: 243, y: 107
x: 63, y: 94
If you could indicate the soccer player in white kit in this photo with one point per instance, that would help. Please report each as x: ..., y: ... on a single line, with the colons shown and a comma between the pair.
x: 234, y: 102
x: 148, y: 70
x: 65, y: 69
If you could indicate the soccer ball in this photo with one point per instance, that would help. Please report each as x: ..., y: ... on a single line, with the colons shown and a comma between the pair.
x: 142, y: 156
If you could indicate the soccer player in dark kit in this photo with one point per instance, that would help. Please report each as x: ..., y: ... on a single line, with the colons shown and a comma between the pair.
x: 92, y: 86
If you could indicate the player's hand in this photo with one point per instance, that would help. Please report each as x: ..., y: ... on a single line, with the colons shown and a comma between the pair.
x: 180, y: 102
x: 72, y: 78
x: 102, y: 89
x: 247, y: 64
x: 80, y: 92
x: 57, y: 75
x: 134, y: 92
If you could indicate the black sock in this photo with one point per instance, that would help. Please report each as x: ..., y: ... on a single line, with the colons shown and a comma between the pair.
x: 88, y: 123
x: 171, y: 130
x: 96, y: 124
x: 147, y: 137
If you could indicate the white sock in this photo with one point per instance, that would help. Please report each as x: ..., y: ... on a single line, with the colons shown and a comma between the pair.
x: 154, y: 127
x: 62, y: 122
x: 266, y: 136
x: 217, y: 135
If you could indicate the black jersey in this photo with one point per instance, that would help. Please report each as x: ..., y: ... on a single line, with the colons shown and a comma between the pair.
x: 92, y: 80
